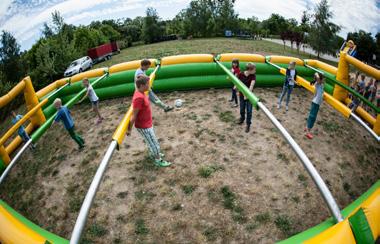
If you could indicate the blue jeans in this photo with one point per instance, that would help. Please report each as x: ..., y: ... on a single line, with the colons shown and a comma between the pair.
x: 245, y: 105
x: 234, y: 96
x: 24, y: 136
x: 286, y: 89
x: 312, y: 115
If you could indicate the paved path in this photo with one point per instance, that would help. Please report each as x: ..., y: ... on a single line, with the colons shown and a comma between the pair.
x: 307, y: 49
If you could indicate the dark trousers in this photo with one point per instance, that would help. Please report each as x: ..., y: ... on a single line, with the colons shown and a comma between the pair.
x: 76, y: 137
x: 234, y: 96
x: 245, y: 106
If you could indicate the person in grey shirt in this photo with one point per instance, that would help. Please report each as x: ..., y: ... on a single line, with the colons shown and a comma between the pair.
x: 319, y: 80
x: 144, y: 66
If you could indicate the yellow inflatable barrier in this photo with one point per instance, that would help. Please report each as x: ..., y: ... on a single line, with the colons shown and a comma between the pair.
x: 188, y: 58
x: 375, y: 73
x: 89, y: 74
x: 285, y: 60
x: 131, y: 65
x: 5, y: 99
x: 243, y: 57
x: 339, y: 233
x: 362, y: 113
x: 371, y: 208
x: 51, y: 87
x: 321, y: 65
x: 17, y: 141
x: 14, y: 231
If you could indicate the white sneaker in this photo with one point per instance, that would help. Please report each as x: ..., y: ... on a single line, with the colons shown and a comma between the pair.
x: 278, y: 106
x: 287, y: 108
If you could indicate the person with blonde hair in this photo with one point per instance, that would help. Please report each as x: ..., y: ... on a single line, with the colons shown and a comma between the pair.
x: 94, y: 99
x: 290, y: 80
x: 319, y: 81
x: 64, y: 115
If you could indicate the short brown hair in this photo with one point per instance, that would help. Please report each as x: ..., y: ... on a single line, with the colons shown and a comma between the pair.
x: 145, y: 62
x: 142, y: 80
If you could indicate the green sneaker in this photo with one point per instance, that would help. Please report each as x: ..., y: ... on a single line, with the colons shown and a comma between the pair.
x: 161, y: 155
x: 162, y: 163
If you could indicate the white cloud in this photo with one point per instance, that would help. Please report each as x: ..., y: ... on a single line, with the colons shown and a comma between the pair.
x: 355, y: 15
x: 4, y: 6
x: 352, y: 15
x: 263, y: 9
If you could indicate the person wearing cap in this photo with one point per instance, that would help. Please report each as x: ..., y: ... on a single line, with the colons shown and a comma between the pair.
x: 248, y: 77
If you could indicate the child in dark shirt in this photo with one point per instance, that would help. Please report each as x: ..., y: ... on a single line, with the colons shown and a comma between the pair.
x: 236, y: 71
x: 248, y: 77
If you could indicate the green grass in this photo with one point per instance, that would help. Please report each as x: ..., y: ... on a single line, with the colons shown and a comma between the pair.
x: 210, y: 233
x: 263, y: 218
x: 230, y: 202
x: 227, y: 117
x: 204, y: 45
x: 140, y: 227
x: 97, y: 230
x: 284, y: 223
x: 188, y: 189
x: 207, y: 171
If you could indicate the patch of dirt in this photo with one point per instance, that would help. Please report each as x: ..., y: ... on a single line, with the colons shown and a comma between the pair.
x: 224, y: 186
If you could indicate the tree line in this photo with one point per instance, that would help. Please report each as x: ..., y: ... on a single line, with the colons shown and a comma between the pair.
x: 61, y: 43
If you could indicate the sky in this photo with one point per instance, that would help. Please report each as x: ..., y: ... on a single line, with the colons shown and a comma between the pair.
x: 24, y: 18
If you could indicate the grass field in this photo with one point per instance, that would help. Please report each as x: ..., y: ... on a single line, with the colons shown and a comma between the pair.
x: 214, y: 45
x: 225, y: 186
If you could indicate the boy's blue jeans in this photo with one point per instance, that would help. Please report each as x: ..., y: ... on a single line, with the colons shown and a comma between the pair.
x: 286, y: 89
x: 24, y: 136
x: 234, y: 96
x: 245, y: 105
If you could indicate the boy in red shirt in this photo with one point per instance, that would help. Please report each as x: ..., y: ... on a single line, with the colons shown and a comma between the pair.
x: 142, y: 119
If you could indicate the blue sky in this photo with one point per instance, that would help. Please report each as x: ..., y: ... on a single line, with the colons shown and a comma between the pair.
x: 24, y: 18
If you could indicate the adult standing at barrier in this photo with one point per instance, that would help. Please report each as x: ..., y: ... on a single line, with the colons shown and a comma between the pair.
x: 144, y: 66
x: 248, y: 77
x: 64, y: 114
x: 316, y: 102
x: 290, y: 78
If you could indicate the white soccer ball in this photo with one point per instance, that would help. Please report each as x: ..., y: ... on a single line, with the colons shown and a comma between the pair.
x: 178, y: 103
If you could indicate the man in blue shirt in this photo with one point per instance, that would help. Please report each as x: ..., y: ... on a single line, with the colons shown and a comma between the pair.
x: 64, y: 116
x: 21, y: 130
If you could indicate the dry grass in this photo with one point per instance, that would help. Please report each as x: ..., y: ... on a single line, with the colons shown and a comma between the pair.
x: 224, y: 185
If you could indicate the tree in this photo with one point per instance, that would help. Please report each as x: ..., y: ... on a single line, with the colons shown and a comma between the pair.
x: 275, y: 24
x: 151, y: 30
x: 47, y: 31
x: 11, y: 67
x: 110, y: 32
x: 322, y: 30
x: 365, y: 44
x: 305, y: 22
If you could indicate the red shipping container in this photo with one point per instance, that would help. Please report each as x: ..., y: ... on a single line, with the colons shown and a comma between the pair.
x: 100, y: 52
x: 115, y: 47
